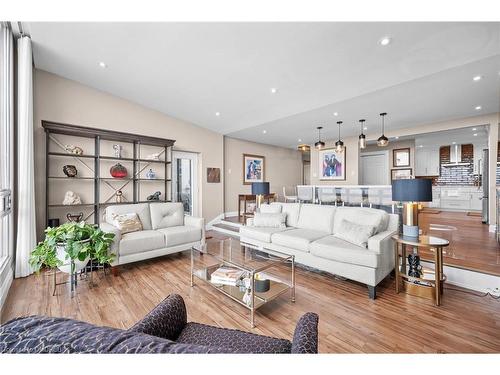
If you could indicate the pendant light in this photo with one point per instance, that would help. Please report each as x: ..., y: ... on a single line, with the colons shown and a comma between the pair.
x: 339, y: 145
x: 320, y: 144
x: 383, y: 140
x: 362, y: 137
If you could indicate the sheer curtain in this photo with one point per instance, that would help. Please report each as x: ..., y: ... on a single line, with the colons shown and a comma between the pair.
x: 26, y: 230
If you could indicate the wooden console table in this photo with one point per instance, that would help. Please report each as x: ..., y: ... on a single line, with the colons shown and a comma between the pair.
x: 248, y: 198
x: 427, y: 288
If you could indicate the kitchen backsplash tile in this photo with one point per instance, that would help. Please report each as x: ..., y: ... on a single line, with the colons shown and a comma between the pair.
x: 458, y: 174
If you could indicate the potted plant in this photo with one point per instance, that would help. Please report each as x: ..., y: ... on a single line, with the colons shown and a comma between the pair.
x: 70, y: 246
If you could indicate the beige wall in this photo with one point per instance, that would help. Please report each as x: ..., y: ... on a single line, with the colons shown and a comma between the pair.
x: 61, y: 100
x: 393, y: 145
x: 352, y: 163
x: 283, y: 167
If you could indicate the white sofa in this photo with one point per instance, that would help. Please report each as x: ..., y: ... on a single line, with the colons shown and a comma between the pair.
x: 166, y: 230
x: 309, y: 235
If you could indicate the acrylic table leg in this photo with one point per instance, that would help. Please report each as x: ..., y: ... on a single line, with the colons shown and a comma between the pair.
x: 293, y: 278
x: 192, y: 266
x: 396, y: 265
x: 441, y: 272
x: 252, y: 300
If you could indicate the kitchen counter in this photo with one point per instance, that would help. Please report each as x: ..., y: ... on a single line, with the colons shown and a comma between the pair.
x: 457, y: 197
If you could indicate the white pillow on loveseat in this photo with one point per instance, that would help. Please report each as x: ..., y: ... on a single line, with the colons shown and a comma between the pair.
x: 269, y: 220
x: 357, y: 234
x: 270, y: 209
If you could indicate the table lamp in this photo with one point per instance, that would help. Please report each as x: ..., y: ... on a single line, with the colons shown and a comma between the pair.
x: 259, y: 189
x: 411, y: 192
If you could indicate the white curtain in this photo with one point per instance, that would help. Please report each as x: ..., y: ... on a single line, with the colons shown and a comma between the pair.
x: 26, y: 229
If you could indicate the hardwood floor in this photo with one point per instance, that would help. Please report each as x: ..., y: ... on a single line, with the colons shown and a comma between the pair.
x: 349, y: 321
x: 472, y: 246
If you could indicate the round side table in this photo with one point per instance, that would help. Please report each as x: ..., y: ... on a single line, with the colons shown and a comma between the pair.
x: 427, y: 288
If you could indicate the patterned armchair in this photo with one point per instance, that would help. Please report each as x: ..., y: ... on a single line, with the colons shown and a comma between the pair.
x: 164, y: 330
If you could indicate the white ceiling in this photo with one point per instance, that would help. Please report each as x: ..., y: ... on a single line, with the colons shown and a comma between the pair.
x: 192, y: 70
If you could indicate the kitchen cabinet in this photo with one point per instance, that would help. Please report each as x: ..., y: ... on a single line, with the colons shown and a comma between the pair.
x: 456, y: 198
x: 478, y: 155
x: 427, y: 161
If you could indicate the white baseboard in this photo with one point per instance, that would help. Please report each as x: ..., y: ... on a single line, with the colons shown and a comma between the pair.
x: 477, y: 281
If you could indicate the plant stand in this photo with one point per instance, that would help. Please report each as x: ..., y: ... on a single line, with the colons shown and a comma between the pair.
x: 85, y: 274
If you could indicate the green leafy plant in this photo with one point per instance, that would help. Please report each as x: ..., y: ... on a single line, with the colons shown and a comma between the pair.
x: 80, y: 240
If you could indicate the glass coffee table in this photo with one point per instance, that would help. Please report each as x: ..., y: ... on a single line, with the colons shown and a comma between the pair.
x: 258, y: 275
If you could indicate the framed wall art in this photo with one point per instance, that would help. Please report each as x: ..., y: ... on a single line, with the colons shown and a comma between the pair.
x: 401, y: 174
x: 253, y: 168
x: 401, y: 157
x: 331, y: 164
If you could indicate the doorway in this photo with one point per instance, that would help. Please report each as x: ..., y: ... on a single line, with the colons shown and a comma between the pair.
x: 185, y: 181
x: 374, y: 168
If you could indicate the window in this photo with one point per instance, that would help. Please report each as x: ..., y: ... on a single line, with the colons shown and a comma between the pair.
x: 6, y: 147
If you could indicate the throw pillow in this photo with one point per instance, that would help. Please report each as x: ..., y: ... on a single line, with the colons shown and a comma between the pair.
x: 269, y: 220
x: 127, y: 223
x: 357, y: 234
x: 270, y: 208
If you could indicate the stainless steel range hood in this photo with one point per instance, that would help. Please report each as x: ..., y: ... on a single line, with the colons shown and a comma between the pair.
x: 455, y: 156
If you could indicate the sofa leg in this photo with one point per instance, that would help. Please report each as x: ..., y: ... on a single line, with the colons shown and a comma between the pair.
x: 115, y: 271
x: 372, y: 291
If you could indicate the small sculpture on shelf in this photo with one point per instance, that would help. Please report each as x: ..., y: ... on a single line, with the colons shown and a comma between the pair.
x: 72, y: 149
x: 154, y: 157
x: 119, y: 196
x: 154, y: 197
x: 118, y: 171
x: 118, y: 151
x: 70, y: 170
x: 75, y: 217
x: 71, y: 198
x: 415, y: 269
x: 151, y: 175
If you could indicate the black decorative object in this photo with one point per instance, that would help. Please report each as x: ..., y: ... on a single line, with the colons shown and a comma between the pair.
x: 70, y: 170
x: 53, y: 223
x: 75, y: 217
x: 415, y: 269
x: 154, y: 197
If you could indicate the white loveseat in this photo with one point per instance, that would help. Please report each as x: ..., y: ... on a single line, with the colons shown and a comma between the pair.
x: 166, y: 230
x: 309, y: 235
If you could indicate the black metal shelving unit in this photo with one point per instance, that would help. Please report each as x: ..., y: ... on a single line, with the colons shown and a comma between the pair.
x: 52, y: 129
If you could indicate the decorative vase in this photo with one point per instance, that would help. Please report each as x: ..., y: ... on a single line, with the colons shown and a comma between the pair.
x: 66, y: 266
x: 262, y: 286
x: 415, y: 269
x: 151, y: 174
x: 118, y: 171
x: 70, y: 170
x: 118, y: 151
x: 119, y: 196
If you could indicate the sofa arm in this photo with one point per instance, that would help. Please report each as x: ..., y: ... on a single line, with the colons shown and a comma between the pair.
x: 305, y: 337
x: 382, y: 242
x: 197, y: 222
x: 108, y: 228
x: 167, y: 320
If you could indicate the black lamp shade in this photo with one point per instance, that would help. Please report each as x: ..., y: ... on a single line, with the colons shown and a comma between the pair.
x: 412, y: 190
x: 260, y: 188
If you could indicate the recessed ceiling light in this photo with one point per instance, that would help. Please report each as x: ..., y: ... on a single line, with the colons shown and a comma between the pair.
x: 264, y: 131
x: 475, y: 134
x: 474, y: 129
x: 453, y: 143
x: 102, y: 64
x: 335, y: 114
x: 477, y: 78
x: 385, y: 41
x: 396, y: 137
x: 365, y: 128
x: 217, y: 114
x: 478, y: 108
x: 299, y: 140
x: 274, y: 90
x: 421, y: 146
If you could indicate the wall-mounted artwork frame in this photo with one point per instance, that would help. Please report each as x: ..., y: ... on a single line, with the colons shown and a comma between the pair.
x: 401, y: 174
x: 331, y: 164
x: 253, y: 168
x: 213, y: 175
x: 401, y: 157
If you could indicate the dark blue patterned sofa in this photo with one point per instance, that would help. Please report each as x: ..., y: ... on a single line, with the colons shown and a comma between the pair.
x: 164, y: 330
